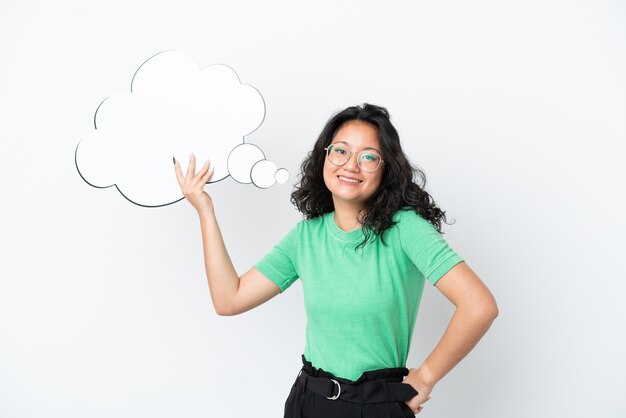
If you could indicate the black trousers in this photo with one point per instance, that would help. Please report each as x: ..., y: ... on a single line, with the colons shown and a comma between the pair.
x: 376, y: 394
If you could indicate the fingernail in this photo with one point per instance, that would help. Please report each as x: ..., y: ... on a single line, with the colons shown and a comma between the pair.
x: 174, y: 159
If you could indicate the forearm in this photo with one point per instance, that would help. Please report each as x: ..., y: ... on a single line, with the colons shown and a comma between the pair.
x: 465, y: 329
x: 221, y: 274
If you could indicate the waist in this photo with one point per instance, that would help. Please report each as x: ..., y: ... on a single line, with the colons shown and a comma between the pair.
x: 393, y: 374
x: 373, y: 386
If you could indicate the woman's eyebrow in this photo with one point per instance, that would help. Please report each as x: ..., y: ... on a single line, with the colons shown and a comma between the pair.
x: 344, y: 142
x: 375, y: 149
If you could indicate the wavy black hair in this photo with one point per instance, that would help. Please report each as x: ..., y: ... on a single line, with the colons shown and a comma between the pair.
x: 401, y: 188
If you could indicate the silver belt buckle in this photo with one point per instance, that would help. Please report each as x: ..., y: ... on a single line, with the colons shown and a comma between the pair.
x: 333, y: 398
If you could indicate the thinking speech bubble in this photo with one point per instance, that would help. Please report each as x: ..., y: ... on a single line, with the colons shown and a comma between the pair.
x: 175, y: 108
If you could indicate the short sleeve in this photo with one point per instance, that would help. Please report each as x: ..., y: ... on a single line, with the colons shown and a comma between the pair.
x: 279, y: 264
x: 424, y: 246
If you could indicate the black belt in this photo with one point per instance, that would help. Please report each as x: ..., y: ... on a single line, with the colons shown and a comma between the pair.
x: 365, y: 392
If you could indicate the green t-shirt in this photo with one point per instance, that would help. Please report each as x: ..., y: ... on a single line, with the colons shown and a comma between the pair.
x: 361, y: 305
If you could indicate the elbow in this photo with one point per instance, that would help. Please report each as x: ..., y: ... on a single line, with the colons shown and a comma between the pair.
x: 484, y: 312
x: 224, y: 305
x: 486, y: 307
x: 224, y: 309
x: 492, y: 312
x: 489, y: 310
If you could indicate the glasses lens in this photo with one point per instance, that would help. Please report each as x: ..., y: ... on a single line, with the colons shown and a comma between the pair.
x: 369, y: 161
x: 338, y: 155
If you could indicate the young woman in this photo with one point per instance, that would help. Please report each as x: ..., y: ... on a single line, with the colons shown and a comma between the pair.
x: 369, y: 242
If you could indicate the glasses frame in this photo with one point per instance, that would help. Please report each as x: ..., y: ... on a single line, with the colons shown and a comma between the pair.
x: 358, y: 159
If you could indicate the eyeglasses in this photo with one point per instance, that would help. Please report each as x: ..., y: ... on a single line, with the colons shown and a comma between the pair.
x: 367, y: 160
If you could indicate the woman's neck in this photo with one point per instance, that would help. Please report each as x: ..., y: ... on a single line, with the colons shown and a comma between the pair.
x: 347, y: 217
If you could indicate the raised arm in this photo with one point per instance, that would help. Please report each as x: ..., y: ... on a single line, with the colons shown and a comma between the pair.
x: 475, y: 311
x: 230, y: 293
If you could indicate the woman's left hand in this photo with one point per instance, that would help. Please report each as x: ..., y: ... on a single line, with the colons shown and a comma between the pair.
x: 423, y: 389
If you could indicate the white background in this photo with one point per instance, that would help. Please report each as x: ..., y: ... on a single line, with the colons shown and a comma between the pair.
x: 515, y: 110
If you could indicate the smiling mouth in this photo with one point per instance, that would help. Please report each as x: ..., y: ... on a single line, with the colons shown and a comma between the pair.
x: 349, y: 180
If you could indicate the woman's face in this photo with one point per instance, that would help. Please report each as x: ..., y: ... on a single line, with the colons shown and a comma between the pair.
x: 348, y: 183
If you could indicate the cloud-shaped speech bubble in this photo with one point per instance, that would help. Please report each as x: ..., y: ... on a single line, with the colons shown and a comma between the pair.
x: 175, y: 108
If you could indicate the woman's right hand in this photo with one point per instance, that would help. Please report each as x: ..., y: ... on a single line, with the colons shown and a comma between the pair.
x: 192, y: 184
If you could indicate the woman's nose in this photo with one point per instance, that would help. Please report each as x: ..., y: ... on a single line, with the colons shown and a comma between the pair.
x: 352, y: 163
